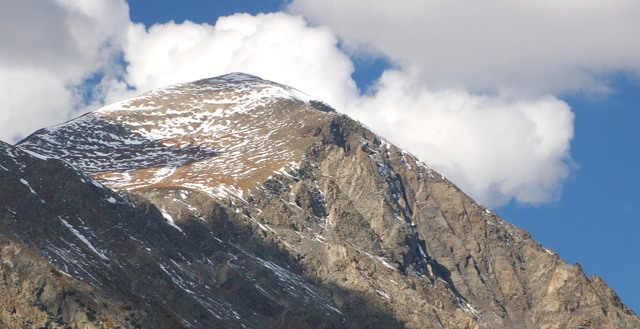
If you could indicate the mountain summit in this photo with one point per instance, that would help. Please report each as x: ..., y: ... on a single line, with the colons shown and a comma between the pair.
x: 236, y: 202
x: 218, y: 136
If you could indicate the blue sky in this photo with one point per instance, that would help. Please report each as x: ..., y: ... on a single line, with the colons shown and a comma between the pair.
x: 530, y: 108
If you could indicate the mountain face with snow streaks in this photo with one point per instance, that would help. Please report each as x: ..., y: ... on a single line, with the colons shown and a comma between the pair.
x: 77, y: 254
x: 198, y: 135
x: 247, y: 204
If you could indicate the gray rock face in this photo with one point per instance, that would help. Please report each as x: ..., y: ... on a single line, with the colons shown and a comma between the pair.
x: 238, y: 202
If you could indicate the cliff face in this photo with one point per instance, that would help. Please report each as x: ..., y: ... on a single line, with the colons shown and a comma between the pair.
x: 242, y: 203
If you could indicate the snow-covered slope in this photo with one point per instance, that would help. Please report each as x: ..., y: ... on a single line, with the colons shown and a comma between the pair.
x: 197, y: 135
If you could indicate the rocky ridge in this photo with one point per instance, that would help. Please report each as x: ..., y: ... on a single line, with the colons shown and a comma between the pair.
x: 259, y: 207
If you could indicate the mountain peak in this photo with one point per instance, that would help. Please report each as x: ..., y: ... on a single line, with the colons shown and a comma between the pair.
x: 227, y: 94
x: 218, y: 135
x: 306, y: 219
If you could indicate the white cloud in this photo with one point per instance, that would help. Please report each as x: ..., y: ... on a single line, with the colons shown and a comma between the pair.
x: 276, y: 46
x: 517, y: 46
x: 47, y: 48
x: 30, y: 99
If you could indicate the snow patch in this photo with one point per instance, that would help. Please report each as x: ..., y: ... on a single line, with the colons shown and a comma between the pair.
x: 96, y: 183
x: 383, y: 294
x: 35, y: 155
x: 465, y: 306
x: 170, y: 221
x: 386, y: 264
x: 83, y: 239
x: 424, y: 255
x: 24, y: 181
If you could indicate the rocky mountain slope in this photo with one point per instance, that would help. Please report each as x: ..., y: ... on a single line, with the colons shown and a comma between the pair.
x: 236, y: 202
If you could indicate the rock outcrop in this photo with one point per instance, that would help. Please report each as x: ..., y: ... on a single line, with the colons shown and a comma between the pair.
x: 238, y: 202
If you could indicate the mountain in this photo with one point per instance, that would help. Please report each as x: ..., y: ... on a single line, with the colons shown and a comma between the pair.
x: 236, y: 202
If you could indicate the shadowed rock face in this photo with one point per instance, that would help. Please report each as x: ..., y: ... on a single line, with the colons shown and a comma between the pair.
x: 241, y: 202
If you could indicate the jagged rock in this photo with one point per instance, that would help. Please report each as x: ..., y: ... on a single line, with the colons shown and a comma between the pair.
x: 242, y: 202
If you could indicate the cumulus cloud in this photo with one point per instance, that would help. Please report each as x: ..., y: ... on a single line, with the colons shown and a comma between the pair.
x: 274, y: 46
x: 531, y: 47
x: 47, y: 48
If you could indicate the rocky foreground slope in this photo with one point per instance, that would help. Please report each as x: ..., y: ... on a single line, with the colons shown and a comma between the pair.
x: 236, y: 202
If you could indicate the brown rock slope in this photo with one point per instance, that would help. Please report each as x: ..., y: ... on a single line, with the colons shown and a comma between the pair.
x: 334, y: 227
x: 74, y: 254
